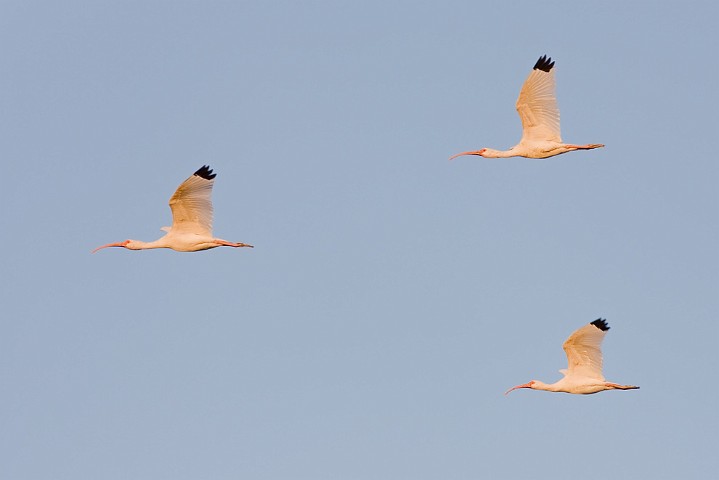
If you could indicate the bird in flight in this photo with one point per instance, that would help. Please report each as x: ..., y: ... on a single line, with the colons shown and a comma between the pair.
x: 538, y: 110
x: 584, y: 374
x: 191, y: 229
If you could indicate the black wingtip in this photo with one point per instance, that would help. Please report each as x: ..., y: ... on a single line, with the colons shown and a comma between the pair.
x: 544, y: 64
x: 205, y: 172
x: 601, y: 324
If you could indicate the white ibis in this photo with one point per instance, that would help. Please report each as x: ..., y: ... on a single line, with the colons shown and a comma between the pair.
x: 584, y: 374
x: 537, y: 107
x: 191, y: 229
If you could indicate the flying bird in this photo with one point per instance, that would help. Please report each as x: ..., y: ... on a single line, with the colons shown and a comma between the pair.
x: 538, y: 110
x: 584, y: 374
x: 191, y: 229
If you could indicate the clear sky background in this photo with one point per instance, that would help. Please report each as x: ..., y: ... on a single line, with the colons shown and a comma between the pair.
x: 392, y: 296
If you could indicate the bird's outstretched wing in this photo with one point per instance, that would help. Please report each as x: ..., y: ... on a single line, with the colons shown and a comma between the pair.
x: 537, y: 104
x: 191, y: 203
x: 583, y: 349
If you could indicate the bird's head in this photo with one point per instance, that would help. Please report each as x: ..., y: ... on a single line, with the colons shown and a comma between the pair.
x: 529, y: 384
x: 474, y: 152
x: 129, y: 244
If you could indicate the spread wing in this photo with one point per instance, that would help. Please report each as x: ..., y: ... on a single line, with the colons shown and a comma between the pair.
x: 583, y: 349
x: 191, y: 204
x: 537, y: 104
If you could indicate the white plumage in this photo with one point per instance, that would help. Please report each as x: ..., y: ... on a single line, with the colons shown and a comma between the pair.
x: 191, y: 205
x: 583, y: 349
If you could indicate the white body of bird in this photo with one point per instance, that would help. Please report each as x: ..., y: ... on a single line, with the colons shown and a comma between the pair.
x: 584, y: 373
x: 538, y: 110
x: 191, y: 230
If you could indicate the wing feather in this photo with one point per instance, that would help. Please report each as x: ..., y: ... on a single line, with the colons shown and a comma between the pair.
x: 191, y: 204
x: 537, y: 104
x: 583, y: 349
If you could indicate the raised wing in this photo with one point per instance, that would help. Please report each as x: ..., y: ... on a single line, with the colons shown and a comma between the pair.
x: 191, y: 203
x: 537, y: 104
x: 583, y: 349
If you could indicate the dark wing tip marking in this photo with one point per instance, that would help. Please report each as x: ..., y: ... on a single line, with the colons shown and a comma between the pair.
x: 544, y: 64
x: 601, y: 324
x: 205, y: 172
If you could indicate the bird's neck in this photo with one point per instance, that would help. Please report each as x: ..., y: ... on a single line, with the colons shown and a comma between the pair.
x: 140, y: 245
x: 549, y: 387
x: 491, y: 153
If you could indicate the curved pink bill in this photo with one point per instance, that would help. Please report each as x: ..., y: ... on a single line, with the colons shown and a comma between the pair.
x: 475, y: 152
x: 117, y: 244
x: 524, y: 385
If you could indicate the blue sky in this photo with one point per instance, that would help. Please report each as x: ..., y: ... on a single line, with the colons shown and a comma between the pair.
x: 392, y: 296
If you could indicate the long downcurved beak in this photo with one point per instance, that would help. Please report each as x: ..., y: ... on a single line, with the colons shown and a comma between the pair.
x: 524, y: 385
x: 475, y: 152
x: 117, y: 244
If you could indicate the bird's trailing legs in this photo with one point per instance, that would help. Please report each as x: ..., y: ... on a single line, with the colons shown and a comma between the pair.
x: 620, y: 387
x: 225, y: 243
x: 586, y: 147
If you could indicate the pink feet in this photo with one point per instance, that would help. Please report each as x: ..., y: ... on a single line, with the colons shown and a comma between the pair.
x: 620, y: 387
x: 241, y: 245
x: 225, y: 243
x: 587, y: 147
